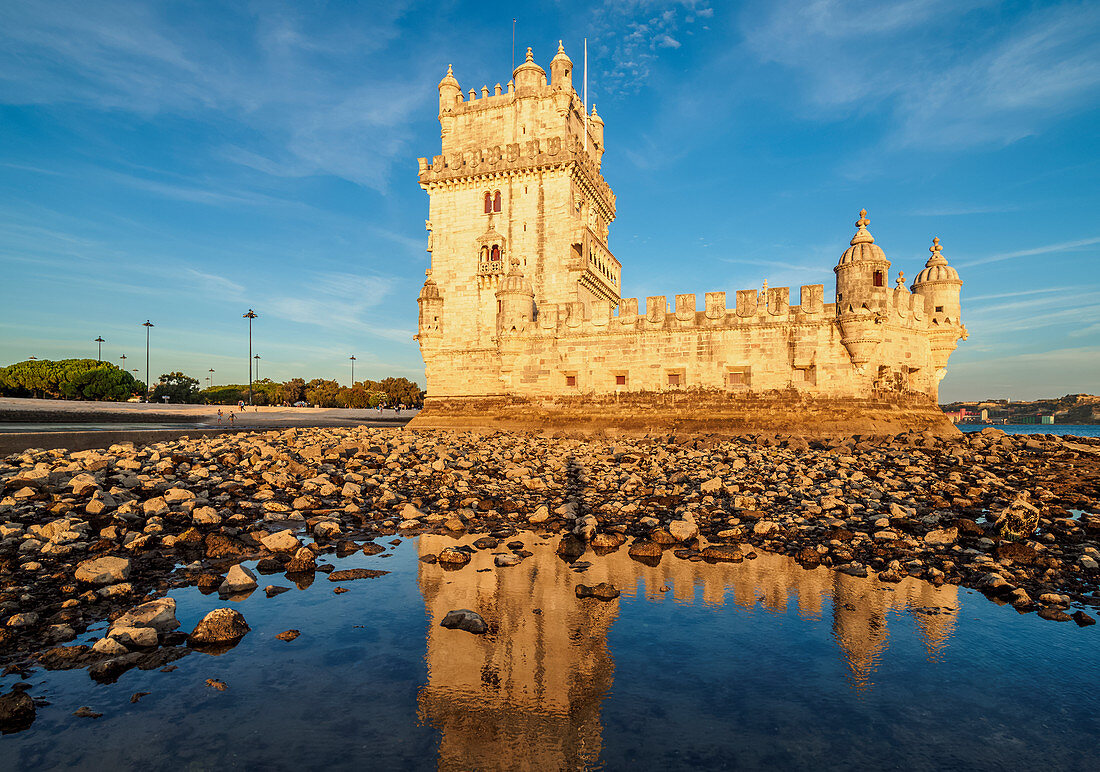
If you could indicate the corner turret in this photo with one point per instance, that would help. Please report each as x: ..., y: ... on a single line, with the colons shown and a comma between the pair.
x: 529, y: 75
x: 449, y: 91
x: 940, y: 286
x: 561, y: 69
x: 431, y: 311
x: 595, y: 128
x: 515, y: 302
x: 861, y: 274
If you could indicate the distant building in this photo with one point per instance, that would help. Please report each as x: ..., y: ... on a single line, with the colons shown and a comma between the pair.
x: 523, y: 294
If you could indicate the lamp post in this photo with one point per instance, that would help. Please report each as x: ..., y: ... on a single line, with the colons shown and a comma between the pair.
x: 250, y: 316
x: 210, y: 379
x: 123, y: 358
x: 257, y: 360
x: 148, y: 325
x: 100, y: 341
x: 352, y: 358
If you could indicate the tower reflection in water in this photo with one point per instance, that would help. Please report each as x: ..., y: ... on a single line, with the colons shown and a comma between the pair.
x: 528, y: 694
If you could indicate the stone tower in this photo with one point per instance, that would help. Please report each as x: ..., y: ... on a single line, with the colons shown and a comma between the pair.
x: 519, y: 182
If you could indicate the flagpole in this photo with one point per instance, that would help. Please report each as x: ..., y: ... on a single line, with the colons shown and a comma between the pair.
x: 513, y: 44
x: 586, y: 95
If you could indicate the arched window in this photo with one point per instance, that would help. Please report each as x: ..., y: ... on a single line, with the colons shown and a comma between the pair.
x: 489, y: 202
x: 484, y: 254
x: 496, y: 253
x: 879, y: 280
x: 496, y: 201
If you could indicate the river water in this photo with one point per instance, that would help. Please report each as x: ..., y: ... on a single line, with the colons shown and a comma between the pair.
x: 759, y: 664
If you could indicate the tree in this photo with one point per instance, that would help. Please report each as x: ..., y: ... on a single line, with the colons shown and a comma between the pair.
x: 103, y: 383
x: 292, y: 391
x: 179, y: 388
x: 323, y: 393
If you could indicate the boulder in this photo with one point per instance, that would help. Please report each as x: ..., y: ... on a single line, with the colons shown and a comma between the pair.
x: 222, y: 625
x: 158, y: 614
x: 464, y: 619
x: 683, y: 530
x: 303, y: 561
x: 723, y: 553
x: 602, y: 591
x: 239, y: 579
x: 17, y: 709
x: 283, y: 541
x: 105, y: 570
x: 109, y: 647
x: 942, y: 536
x: 454, y: 557
x: 134, y: 637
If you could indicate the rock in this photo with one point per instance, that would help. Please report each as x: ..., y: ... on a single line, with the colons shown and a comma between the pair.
x: 219, y: 546
x: 371, y: 548
x: 1054, y: 614
x: 25, y: 619
x: 942, y: 536
x: 326, y: 530
x: 239, y: 579
x: 464, y: 619
x: 602, y: 591
x: 1082, y: 619
x: 288, y: 635
x: 853, y: 569
x: 60, y: 633
x: 134, y: 637
x: 222, y: 625
x: 86, y: 712
x: 585, y: 527
x: 723, y: 553
x: 17, y: 711
x: 454, y: 557
x: 214, y: 683
x: 683, y: 530
x: 158, y: 614
x: 643, y: 548
x: 272, y: 590
x: 349, y: 574
x: 409, y: 512
x: 713, y: 485
x: 283, y: 541
x: 1018, y: 520
x: 504, y: 561
x: 304, y: 561
x: 109, y: 647
x: 205, y: 516
x: 541, y: 515
x: 764, y: 527
x: 571, y: 547
x: 105, y: 570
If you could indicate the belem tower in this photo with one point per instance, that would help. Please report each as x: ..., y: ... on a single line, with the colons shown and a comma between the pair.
x: 522, y: 302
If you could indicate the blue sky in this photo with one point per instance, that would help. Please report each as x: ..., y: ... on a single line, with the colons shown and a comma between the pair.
x: 184, y: 161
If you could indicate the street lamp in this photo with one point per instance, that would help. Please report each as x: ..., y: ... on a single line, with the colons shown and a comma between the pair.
x: 257, y: 358
x: 210, y: 379
x: 100, y: 341
x: 123, y: 358
x: 250, y: 316
x: 148, y: 325
x: 32, y: 357
x: 352, y: 358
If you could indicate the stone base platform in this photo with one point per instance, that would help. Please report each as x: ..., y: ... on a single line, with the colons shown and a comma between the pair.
x: 689, y: 411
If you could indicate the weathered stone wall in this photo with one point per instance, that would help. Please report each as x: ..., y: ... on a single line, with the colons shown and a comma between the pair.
x: 690, y: 410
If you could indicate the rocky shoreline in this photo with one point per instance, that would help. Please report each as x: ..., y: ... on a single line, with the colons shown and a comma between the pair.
x: 104, y: 534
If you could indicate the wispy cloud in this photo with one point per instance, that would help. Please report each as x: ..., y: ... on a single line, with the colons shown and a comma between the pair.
x: 1063, y: 246
x: 1000, y: 86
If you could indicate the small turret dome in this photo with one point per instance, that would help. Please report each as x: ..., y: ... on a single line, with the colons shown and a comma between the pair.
x: 515, y: 281
x: 936, y: 269
x: 449, y: 80
x: 863, y: 245
x: 529, y: 74
x: 430, y: 290
x: 560, y: 56
x: 594, y: 118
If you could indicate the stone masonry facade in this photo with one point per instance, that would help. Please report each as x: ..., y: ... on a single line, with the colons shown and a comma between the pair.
x: 523, y: 294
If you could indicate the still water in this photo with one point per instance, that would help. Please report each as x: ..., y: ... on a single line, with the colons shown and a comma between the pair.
x: 1061, y: 430
x: 759, y: 664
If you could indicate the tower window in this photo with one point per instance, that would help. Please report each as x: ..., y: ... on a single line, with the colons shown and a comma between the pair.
x: 495, y: 256
x: 674, y: 379
x: 939, y: 309
x: 488, y: 202
x: 879, y: 279
x: 570, y: 380
x: 496, y: 201
x: 620, y: 380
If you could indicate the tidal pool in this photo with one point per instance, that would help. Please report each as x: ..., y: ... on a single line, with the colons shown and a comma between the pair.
x: 751, y: 665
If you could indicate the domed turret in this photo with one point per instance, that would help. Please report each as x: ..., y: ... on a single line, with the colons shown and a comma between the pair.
x: 449, y: 91
x: 529, y: 74
x: 941, y: 287
x: 515, y: 301
x: 861, y: 272
x: 561, y: 69
x: 595, y: 128
x: 431, y: 310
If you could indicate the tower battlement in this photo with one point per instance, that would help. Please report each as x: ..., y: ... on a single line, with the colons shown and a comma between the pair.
x: 523, y: 296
